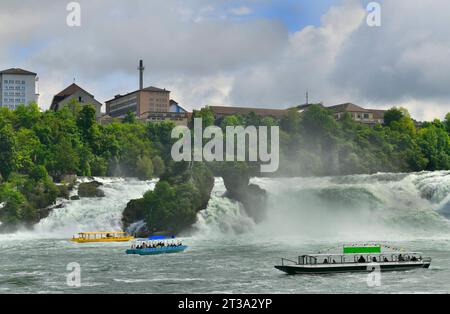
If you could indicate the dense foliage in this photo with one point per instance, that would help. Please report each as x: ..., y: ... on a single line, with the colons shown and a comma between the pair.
x: 315, y: 143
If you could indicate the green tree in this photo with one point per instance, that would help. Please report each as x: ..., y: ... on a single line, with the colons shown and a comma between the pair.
x: 447, y: 122
x: 8, y: 149
x: 158, y: 166
x: 207, y: 116
x: 26, y: 116
x: 393, y: 115
x: 130, y: 117
x: 86, y: 121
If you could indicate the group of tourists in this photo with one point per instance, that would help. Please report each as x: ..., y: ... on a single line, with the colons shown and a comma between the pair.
x: 156, y: 244
x: 401, y: 259
x: 382, y: 259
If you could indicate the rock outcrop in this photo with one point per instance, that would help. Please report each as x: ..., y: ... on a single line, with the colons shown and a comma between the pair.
x: 90, y: 189
x: 173, y: 206
x: 252, y: 197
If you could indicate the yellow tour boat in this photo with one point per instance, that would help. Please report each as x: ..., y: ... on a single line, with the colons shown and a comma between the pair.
x: 98, y: 237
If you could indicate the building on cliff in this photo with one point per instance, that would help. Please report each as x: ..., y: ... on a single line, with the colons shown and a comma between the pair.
x: 17, y: 86
x: 148, y: 104
x: 222, y: 112
x: 78, y: 94
x: 370, y: 117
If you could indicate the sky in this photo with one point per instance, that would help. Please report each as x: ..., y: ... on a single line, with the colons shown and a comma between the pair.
x: 252, y: 53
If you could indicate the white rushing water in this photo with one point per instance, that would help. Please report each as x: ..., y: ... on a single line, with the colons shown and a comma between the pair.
x: 89, y: 214
x: 362, y: 207
x: 351, y: 208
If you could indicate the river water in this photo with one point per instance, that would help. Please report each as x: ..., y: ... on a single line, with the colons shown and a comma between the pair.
x: 228, y: 253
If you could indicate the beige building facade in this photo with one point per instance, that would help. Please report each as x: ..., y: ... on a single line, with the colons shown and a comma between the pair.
x: 78, y: 94
x: 141, y: 102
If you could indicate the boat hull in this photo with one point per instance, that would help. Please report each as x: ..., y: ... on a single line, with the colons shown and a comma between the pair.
x: 108, y: 240
x: 367, y: 268
x: 168, y: 250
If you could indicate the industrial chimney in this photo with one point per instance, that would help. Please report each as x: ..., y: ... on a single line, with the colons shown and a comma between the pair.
x: 141, y: 69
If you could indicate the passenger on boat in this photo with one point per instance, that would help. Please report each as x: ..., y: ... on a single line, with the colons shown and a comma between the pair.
x: 325, y: 261
x: 361, y: 260
x: 386, y: 260
x: 374, y: 260
x: 414, y: 259
x: 401, y: 258
x: 334, y: 261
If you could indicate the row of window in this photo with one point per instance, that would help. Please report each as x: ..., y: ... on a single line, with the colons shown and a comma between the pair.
x: 13, y: 82
x: 122, y: 104
x: 356, y: 115
x: 13, y: 94
x: 159, y: 100
x: 14, y: 100
x: 14, y: 87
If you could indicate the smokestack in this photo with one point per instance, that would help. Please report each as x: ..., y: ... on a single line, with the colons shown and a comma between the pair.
x: 141, y: 74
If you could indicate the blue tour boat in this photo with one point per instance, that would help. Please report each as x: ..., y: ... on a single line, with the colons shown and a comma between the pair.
x: 156, y: 245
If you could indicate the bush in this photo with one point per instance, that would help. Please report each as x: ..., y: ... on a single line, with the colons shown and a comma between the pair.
x: 144, y: 168
x: 158, y: 166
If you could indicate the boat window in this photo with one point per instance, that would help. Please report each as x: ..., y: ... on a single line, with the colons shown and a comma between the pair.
x: 301, y: 260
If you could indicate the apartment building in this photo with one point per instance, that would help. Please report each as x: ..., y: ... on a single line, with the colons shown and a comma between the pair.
x: 17, y: 86
x: 140, y: 102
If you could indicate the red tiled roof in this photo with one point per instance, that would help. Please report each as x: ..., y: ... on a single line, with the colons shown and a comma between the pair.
x: 348, y: 107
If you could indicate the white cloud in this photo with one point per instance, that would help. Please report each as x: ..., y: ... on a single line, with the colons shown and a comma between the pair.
x: 305, y: 64
x: 192, y: 48
x: 241, y: 11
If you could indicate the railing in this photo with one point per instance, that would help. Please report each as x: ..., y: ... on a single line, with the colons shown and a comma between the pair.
x: 287, y: 260
x: 348, y: 262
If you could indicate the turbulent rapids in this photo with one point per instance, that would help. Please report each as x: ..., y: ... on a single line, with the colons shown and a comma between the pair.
x: 362, y: 207
x: 351, y: 208
x: 229, y: 252
x: 91, y: 214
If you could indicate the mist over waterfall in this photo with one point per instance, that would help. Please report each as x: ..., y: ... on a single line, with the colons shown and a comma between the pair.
x: 92, y: 214
x: 350, y: 208
x: 223, y: 216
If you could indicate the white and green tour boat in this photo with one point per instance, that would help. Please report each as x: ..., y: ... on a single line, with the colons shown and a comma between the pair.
x: 356, y: 258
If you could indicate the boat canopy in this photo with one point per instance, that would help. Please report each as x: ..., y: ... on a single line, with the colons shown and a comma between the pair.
x: 102, y: 233
x: 160, y: 238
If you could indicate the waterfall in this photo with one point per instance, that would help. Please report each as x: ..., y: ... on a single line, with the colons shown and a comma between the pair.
x: 91, y: 214
x: 348, y: 208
